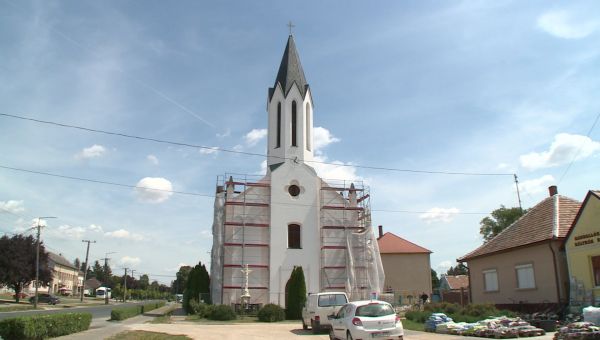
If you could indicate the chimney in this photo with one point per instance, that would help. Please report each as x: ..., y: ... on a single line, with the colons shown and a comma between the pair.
x: 380, y: 231
x: 553, y: 190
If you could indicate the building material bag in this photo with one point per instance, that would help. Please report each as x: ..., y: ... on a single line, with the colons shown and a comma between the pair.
x: 591, y: 314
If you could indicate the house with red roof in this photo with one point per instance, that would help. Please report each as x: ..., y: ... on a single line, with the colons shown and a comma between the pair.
x: 525, y: 264
x: 407, y: 267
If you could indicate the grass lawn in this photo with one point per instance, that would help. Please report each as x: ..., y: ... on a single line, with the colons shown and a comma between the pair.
x: 143, y: 335
x: 161, y: 319
x: 15, y: 307
x: 412, y: 325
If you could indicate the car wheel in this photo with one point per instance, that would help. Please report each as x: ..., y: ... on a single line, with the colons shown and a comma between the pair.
x: 331, y: 335
x: 348, y: 336
x: 315, y: 327
x: 304, y: 326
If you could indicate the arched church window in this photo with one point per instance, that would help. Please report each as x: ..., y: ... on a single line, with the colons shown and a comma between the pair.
x: 278, y: 144
x: 294, y: 236
x: 294, y: 125
x: 307, y: 127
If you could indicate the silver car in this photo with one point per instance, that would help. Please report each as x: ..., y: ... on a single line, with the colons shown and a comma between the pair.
x: 370, y: 319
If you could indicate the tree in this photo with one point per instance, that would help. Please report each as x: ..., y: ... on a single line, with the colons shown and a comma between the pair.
x: 17, y: 263
x: 197, y: 286
x: 182, y: 275
x: 435, y: 280
x: 77, y: 263
x: 98, y: 272
x: 460, y: 269
x: 144, y: 282
x: 296, y: 294
x: 501, y: 218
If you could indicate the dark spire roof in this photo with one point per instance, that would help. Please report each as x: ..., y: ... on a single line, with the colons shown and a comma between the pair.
x: 290, y: 71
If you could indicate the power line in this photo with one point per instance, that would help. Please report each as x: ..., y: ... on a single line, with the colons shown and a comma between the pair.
x: 199, y: 194
x: 196, y: 146
x: 579, y: 149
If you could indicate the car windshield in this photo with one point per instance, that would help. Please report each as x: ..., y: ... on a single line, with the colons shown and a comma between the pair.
x: 332, y: 300
x: 374, y: 310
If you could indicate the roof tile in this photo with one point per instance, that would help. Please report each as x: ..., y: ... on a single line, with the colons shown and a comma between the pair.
x: 390, y: 243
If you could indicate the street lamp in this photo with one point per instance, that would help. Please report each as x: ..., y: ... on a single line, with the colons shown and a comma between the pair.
x: 37, y: 259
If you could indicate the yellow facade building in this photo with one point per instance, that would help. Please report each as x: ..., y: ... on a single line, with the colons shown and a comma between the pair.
x: 582, y: 247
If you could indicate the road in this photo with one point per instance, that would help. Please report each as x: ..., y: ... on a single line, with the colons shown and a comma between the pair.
x: 98, y: 311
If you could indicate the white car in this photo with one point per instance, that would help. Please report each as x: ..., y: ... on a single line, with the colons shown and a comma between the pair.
x: 319, y: 306
x: 366, y: 320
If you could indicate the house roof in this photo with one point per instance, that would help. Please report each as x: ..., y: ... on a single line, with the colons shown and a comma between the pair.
x: 594, y: 193
x: 290, y: 71
x: 60, y: 260
x: 457, y: 281
x: 92, y: 283
x: 390, y: 243
x: 550, y: 219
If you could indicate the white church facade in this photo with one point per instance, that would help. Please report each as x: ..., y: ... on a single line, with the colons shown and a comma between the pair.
x: 291, y: 217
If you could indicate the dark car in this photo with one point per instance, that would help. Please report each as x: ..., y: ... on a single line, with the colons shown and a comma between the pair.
x: 46, y: 298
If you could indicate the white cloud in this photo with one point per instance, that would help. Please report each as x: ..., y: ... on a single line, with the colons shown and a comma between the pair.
x: 154, y: 189
x: 255, y: 136
x: 153, y: 159
x: 176, y: 269
x: 130, y: 261
x: 95, y: 228
x: 206, y: 233
x: 563, y: 24
x: 537, y: 185
x: 93, y: 151
x: 12, y: 206
x: 238, y: 147
x: 209, y: 151
x: 227, y: 133
x: 334, y: 169
x: 444, y: 215
x: 42, y: 222
x: 564, y: 149
x: 322, y: 137
x: 443, y: 266
x: 124, y: 234
x: 66, y: 231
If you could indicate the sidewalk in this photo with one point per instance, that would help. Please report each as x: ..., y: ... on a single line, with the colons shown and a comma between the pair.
x: 101, y: 328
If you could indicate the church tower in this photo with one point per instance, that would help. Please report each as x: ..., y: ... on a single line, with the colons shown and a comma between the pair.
x: 290, y: 109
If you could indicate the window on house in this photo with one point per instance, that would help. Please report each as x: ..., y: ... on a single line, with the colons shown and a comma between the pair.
x: 307, y: 113
x: 294, y: 125
x: 596, y: 269
x: 490, y: 280
x: 294, y: 236
x: 278, y: 144
x: 525, y: 277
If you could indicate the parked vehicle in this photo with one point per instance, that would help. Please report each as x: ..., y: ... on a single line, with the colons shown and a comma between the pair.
x: 366, y: 320
x: 46, y: 298
x: 179, y: 298
x: 319, y: 306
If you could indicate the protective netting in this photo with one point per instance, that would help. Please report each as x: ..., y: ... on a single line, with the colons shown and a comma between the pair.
x: 364, y: 267
x: 216, y: 267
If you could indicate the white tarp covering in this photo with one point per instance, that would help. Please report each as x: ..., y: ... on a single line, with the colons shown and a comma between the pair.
x: 216, y: 267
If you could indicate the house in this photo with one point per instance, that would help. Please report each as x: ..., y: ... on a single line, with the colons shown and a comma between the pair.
x: 91, y: 285
x: 265, y: 226
x: 582, y: 246
x: 407, y: 267
x: 524, y: 265
x: 454, y: 289
x: 65, y: 277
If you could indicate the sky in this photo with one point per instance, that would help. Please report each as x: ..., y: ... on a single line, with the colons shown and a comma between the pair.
x: 497, y: 87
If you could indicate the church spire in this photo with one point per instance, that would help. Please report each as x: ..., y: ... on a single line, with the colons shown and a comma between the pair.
x: 290, y: 71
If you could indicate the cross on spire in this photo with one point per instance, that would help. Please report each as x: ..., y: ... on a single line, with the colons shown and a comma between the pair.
x: 290, y: 25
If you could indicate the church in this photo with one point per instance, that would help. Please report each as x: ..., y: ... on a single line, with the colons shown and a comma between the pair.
x: 265, y: 226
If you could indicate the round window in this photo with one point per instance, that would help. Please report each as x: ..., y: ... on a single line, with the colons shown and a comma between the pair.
x: 294, y: 190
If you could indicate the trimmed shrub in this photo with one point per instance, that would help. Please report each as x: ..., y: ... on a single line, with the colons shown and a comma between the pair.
x: 152, y: 306
x: 200, y: 309
x: 44, y: 326
x: 296, y: 294
x: 122, y: 313
x: 221, y: 313
x: 271, y: 313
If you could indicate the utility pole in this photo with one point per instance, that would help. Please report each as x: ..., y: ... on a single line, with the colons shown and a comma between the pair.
x: 125, y: 286
x: 87, y: 265
x: 37, y: 261
x: 518, y: 194
x: 106, y: 258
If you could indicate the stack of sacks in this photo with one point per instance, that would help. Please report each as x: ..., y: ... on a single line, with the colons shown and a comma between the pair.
x: 591, y: 314
x: 434, y: 320
x: 579, y: 331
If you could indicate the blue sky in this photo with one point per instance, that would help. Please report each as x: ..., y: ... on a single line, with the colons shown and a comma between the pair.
x: 473, y: 86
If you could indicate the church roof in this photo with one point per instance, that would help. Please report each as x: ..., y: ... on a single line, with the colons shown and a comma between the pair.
x: 392, y: 244
x: 290, y: 71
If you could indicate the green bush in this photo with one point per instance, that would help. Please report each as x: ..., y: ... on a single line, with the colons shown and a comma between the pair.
x: 200, y: 309
x: 123, y: 313
x: 151, y: 306
x: 470, y: 313
x: 417, y: 316
x: 271, y: 313
x: 221, y: 313
x: 296, y: 294
x: 44, y: 326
